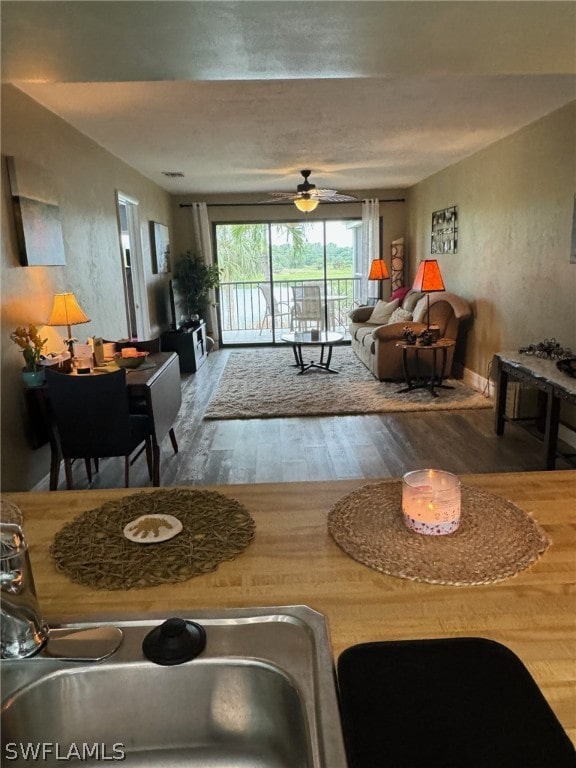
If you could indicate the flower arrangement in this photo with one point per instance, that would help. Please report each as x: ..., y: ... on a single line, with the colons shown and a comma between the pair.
x: 31, y: 343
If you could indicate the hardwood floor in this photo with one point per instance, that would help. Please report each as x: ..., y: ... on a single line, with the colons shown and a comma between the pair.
x: 320, y: 448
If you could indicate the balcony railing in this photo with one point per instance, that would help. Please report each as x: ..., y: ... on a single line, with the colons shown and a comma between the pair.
x: 247, y: 316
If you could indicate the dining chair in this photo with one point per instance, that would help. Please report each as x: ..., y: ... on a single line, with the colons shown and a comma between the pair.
x: 92, y: 420
x: 307, y: 307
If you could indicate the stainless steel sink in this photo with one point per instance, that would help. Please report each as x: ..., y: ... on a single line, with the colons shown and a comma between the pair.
x: 261, y: 694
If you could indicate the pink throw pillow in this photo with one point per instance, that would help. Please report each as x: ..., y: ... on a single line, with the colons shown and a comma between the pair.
x: 399, y: 293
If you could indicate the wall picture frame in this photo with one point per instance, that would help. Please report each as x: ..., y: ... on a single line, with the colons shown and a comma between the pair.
x: 445, y: 231
x: 160, y: 238
x: 36, y: 214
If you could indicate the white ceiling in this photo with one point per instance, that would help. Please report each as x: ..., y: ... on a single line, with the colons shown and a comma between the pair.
x: 239, y: 96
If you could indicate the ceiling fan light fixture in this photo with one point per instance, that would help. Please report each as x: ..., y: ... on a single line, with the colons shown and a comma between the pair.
x: 306, y: 204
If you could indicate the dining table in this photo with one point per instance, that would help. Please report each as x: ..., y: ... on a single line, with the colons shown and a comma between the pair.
x: 154, y: 388
x: 293, y: 559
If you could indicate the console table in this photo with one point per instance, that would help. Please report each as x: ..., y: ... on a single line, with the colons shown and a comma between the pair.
x: 189, y: 344
x: 545, y: 376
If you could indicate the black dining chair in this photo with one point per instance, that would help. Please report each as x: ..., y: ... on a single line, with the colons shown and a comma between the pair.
x: 92, y: 420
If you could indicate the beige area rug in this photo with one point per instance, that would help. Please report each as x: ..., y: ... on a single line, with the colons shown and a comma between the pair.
x: 265, y: 384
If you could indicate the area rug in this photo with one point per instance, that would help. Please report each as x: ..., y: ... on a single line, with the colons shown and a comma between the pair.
x: 259, y: 384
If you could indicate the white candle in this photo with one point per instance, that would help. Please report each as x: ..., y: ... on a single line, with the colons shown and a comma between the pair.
x: 431, y: 501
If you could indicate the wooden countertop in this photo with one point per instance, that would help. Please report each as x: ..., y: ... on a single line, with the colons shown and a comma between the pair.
x: 293, y: 560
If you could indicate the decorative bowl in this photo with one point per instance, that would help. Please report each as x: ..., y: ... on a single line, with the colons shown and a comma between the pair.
x: 131, y: 362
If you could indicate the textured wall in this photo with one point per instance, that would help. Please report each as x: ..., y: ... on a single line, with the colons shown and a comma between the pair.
x: 87, y: 179
x: 515, y: 201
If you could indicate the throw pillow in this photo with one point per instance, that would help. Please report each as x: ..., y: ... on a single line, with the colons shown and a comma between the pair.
x: 382, y: 311
x: 411, y: 300
x: 400, y: 316
x: 400, y: 293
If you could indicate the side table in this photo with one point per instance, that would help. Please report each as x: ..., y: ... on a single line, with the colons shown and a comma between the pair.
x: 429, y: 365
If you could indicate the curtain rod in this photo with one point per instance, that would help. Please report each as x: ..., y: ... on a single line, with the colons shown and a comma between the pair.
x: 244, y: 205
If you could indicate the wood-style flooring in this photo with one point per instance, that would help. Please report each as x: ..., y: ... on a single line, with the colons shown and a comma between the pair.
x: 319, y: 448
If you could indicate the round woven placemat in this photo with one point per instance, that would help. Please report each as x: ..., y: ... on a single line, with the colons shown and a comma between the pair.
x: 93, y: 551
x: 495, y: 539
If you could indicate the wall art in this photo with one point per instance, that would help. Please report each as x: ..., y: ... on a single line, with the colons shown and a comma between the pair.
x: 445, y: 231
x: 160, y: 237
x: 36, y: 214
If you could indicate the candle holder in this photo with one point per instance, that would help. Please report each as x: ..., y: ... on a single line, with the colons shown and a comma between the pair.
x: 431, y: 501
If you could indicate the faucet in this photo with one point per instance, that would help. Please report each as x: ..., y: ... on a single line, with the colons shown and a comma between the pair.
x: 23, y: 631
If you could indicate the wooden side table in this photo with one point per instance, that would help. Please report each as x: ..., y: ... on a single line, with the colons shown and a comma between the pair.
x: 435, y: 355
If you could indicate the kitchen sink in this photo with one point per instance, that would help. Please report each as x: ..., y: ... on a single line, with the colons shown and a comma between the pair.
x: 261, y: 694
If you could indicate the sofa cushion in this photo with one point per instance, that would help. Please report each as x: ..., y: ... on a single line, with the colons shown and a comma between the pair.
x: 399, y: 316
x: 382, y: 311
x: 411, y: 299
x: 364, y: 334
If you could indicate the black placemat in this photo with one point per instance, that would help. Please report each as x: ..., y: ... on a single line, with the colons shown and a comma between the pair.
x: 458, y: 703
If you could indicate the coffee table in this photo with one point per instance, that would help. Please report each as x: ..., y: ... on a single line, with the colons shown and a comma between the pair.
x: 324, y: 339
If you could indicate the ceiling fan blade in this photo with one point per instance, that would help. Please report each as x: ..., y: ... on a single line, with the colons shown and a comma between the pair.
x: 336, y: 197
x: 308, y: 191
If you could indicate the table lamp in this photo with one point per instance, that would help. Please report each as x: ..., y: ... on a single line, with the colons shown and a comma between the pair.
x: 379, y: 271
x: 66, y: 311
x: 428, y: 280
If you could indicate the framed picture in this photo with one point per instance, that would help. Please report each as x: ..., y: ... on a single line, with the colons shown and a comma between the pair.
x: 445, y: 231
x: 36, y: 214
x: 160, y: 238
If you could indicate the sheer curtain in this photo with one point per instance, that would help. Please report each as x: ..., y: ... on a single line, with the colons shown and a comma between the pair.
x: 203, y: 240
x: 370, y: 241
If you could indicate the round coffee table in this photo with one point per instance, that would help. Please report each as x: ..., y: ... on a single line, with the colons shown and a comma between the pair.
x: 324, y: 339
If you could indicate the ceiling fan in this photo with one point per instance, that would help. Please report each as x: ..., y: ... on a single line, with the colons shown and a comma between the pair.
x: 307, y: 197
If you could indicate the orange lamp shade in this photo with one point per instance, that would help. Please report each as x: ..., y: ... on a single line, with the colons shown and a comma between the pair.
x: 378, y: 270
x: 428, y: 278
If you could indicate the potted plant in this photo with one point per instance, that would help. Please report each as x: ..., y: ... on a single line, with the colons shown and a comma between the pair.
x: 31, y: 344
x: 193, y: 280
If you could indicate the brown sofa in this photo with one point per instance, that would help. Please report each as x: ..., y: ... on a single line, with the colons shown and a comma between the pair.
x: 376, y: 345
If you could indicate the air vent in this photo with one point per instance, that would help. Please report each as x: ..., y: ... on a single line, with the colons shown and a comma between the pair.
x: 173, y: 174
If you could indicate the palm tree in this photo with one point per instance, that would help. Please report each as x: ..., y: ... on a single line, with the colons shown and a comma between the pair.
x: 243, y: 249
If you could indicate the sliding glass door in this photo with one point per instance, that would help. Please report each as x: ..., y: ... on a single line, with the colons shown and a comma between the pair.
x: 268, y: 267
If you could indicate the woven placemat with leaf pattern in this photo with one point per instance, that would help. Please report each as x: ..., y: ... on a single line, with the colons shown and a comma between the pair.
x: 495, y: 539
x: 93, y: 550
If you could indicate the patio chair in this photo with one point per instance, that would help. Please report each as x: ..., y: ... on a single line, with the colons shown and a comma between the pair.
x: 308, y: 307
x: 280, y: 309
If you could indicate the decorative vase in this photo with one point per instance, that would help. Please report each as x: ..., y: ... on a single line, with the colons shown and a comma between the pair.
x: 34, y: 378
